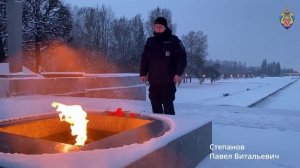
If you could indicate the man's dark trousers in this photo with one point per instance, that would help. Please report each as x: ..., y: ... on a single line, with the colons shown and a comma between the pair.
x: 162, y: 97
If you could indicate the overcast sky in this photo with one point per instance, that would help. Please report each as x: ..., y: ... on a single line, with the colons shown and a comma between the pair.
x: 238, y: 30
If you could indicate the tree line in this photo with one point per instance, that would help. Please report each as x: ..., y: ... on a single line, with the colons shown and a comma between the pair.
x: 270, y: 69
x: 239, y: 69
x: 116, y: 44
x: 103, y: 42
x: 59, y: 37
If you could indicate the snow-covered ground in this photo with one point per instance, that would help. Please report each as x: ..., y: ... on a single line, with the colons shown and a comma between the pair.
x: 289, y: 96
x: 265, y: 129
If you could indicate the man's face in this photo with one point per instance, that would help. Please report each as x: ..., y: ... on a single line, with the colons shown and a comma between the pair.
x: 158, y: 28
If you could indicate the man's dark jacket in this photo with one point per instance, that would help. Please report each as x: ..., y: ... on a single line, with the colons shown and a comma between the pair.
x: 164, y: 57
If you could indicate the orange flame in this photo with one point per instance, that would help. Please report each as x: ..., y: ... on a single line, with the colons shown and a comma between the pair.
x: 76, y: 117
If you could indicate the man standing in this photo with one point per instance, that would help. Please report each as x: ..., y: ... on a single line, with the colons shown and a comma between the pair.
x: 163, y: 62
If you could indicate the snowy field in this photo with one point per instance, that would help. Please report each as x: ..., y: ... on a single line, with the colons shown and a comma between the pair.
x: 271, y: 127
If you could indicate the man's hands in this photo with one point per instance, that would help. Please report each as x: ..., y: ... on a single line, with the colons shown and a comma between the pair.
x: 177, y: 78
x: 143, y: 78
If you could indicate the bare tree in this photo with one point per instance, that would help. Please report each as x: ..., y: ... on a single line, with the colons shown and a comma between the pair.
x: 3, y: 31
x: 44, y: 22
x: 128, y: 42
x: 2, y: 53
x: 138, y: 41
x: 196, y: 49
x: 92, y: 30
x: 121, y: 42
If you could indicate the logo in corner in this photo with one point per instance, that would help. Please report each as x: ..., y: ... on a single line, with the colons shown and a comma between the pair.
x: 287, y: 18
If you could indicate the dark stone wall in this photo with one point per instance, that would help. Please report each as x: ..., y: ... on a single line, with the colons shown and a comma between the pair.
x: 184, y: 152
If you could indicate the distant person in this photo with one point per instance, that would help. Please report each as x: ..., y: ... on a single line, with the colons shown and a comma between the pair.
x: 163, y: 62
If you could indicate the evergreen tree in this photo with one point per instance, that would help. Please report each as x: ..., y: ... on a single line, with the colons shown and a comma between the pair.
x: 278, y: 69
x: 264, y: 67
